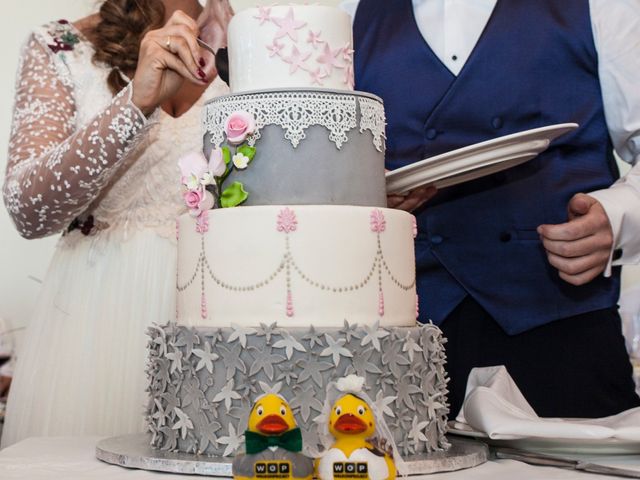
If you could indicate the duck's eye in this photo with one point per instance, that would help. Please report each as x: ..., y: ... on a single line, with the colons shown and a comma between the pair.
x: 338, y: 411
x: 283, y: 411
x: 260, y: 411
x: 361, y: 410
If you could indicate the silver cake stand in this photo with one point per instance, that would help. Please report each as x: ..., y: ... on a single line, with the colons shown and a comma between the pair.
x: 134, y: 451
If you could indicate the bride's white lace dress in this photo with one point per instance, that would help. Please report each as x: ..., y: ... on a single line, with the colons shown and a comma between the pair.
x: 79, y: 156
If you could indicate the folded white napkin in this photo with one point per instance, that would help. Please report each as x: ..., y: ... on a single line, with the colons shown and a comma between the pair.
x: 494, y: 405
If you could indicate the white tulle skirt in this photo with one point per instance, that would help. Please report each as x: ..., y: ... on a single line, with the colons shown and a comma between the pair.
x: 81, y: 367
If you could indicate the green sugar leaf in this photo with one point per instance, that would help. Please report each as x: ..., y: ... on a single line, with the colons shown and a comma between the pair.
x: 234, y: 195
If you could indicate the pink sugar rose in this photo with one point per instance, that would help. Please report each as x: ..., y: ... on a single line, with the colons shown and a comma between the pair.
x: 193, y: 198
x: 198, y: 201
x: 239, y: 125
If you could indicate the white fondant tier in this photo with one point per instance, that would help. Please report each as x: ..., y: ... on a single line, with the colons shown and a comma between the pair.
x: 297, y: 266
x: 292, y: 46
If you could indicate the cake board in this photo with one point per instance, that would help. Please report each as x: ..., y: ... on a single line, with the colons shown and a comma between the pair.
x: 134, y: 451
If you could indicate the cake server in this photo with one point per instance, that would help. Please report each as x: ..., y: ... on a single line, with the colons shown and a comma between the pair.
x: 222, y: 60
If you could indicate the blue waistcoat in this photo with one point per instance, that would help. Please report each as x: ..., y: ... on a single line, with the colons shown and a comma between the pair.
x: 534, y: 65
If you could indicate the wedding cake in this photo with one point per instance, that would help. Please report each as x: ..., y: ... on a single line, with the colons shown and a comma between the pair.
x: 310, y: 278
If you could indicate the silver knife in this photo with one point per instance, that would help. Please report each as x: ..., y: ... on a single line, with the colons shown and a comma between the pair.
x: 560, y: 462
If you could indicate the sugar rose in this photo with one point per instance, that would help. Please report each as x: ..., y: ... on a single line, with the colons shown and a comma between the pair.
x: 239, y: 125
x: 193, y: 198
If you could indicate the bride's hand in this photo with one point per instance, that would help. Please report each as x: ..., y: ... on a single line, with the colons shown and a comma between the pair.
x: 213, y: 23
x: 169, y: 56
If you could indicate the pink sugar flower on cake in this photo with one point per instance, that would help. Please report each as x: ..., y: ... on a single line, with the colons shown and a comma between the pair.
x: 239, y: 126
x: 287, y: 221
x: 198, y: 201
x: 378, y: 223
x: 192, y: 198
x: 217, y: 167
x: 193, y: 166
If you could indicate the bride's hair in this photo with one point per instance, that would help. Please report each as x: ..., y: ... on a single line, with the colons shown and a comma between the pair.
x: 118, y: 34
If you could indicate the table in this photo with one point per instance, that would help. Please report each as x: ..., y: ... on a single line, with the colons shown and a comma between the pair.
x: 72, y: 458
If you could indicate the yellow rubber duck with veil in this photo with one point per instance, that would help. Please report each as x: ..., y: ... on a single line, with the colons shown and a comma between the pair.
x: 353, y: 424
x: 273, y: 444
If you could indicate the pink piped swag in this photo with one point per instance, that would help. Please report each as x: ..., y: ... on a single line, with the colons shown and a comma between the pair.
x: 203, y: 306
x: 378, y: 225
x: 202, y: 222
x: 287, y: 223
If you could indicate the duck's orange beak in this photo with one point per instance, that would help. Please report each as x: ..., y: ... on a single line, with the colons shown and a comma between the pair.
x: 272, y: 425
x: 350, y: 424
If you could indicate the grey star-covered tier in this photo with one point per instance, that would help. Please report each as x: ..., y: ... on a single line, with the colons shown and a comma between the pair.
x: 202, y: 381
x: 315, y: 147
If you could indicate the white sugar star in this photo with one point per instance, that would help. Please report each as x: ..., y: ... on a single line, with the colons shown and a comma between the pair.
x: 233, y: 441
x: 183, y: 424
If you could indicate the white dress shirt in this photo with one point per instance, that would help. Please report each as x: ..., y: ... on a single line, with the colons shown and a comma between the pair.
x: 452, y: 29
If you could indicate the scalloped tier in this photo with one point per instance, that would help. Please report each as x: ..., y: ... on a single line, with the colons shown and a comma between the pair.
x: 297, y: 265
x: 202, y: 381
x: 314, y: 147
x: 290, y: 46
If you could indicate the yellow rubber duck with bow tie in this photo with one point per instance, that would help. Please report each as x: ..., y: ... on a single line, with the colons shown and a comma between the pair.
x: 273, y: 444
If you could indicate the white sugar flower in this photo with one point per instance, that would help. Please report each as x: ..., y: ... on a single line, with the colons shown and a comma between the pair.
x: 351, y: 384
x: 191, y: 182
x: 206, y: 178
x: 240, y: 161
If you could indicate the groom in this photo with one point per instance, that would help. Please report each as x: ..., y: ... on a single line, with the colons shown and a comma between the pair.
x: 507, y: 274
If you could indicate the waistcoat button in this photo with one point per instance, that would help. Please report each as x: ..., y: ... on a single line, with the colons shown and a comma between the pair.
x: 432, y: 133
x: 497, y: 122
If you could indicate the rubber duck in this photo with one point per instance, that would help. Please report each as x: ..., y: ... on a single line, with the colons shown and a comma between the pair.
x: 273, y: 444
x: 352, y: 456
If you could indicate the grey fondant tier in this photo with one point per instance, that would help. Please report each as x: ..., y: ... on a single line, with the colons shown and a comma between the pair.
x: 314, y: 147
x: 202, y: 381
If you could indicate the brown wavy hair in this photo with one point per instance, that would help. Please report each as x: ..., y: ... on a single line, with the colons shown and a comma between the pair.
x: 118, y: 34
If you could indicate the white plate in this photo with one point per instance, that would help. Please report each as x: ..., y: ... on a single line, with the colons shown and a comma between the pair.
x: 606, y: 446
x: 475, y: 161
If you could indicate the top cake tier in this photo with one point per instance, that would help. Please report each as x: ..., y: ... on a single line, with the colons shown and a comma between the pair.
x: 301, y: 46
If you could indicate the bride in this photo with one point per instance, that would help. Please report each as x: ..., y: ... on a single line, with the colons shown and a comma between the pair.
x: 104, y: 108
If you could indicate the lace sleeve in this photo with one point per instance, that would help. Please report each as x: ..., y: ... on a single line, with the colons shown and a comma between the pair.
x: 55, y: 167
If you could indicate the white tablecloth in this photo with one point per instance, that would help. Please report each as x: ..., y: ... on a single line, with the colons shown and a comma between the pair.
x: 69, y: 458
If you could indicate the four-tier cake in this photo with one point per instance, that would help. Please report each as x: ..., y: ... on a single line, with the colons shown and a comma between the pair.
x: 311, y: 277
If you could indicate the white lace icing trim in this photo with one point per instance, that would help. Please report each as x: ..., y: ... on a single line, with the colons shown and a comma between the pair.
x: 373, y: 119
x: 296, y: 111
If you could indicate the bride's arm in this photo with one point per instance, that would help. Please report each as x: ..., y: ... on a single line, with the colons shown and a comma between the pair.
x: 56, y: 168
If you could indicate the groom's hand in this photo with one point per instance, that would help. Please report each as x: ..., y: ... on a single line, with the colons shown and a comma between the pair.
x: 412, y: 200
x: 579, y: 248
